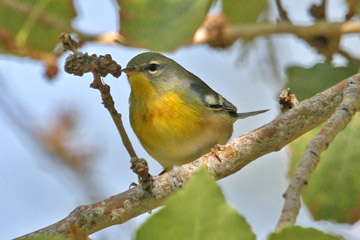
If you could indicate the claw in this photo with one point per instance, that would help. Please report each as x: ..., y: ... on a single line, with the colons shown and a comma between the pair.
x: 132, y: 185
x: 162, y: 172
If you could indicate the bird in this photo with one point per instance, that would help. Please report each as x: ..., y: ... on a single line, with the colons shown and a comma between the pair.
x: 175, y: 115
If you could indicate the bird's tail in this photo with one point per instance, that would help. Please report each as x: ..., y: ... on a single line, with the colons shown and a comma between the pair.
x: 248, y: 114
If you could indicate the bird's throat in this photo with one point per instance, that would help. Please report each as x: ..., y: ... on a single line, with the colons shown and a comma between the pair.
x: 141, y: 87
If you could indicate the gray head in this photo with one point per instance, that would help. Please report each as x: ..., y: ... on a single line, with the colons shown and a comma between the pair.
x: 162, y: 71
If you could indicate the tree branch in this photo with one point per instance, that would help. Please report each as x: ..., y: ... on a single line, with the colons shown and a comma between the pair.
x: 230, y: 33
x: 341, y: 117
x: 305, y: 32
x: 233, y: 157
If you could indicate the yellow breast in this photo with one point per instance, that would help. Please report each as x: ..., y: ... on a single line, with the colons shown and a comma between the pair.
x: 173, y: 130
x: 160, y: 113
x: 156, y: 120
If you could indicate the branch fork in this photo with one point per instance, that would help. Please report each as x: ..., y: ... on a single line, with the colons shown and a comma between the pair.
x: 349, y: 105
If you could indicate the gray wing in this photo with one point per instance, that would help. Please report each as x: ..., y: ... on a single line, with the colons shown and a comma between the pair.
x: 215, y: 101
x: 210, y: 98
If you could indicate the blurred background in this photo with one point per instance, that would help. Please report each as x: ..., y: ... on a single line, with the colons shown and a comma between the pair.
x: 60, y: 149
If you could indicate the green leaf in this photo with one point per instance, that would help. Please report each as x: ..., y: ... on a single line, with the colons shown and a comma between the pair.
x: 306, y: 82
x: 161, y: 25
x: 29, y: 26
x: 333, y: 192
x: 299, y: 233
x: 199, y: 211
x: 243, y: 11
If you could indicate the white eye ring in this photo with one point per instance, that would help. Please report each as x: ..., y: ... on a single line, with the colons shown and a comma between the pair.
x: 153, y: 68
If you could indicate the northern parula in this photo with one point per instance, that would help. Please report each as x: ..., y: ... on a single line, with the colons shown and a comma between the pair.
x: 176, y: 116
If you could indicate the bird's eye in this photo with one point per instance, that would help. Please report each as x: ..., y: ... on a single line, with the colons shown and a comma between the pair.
x: 153, y: 67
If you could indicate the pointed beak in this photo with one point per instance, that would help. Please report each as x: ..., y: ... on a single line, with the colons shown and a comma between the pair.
x: 129, y: 70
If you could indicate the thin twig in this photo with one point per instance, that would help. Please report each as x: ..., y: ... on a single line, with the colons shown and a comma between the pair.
x: 282, y: 12
x: 138, y: 165
x: 234, y: 156
x: 311, y: 158
x: 351, y: 59
x: 80, y: 63
x: 352, y: 9
x: 116, y: 117
x: 318, y: 11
